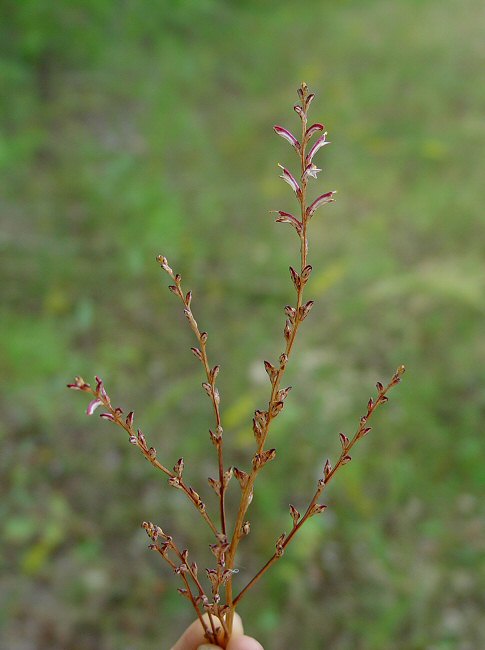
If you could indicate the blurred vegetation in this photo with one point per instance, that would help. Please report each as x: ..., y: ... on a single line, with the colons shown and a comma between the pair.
x: 136, y: 128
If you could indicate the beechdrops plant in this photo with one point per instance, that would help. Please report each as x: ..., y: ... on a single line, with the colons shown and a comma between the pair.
x: 214, y: 591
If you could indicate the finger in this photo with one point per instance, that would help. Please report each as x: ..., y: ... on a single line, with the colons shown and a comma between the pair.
x: 193, y: 637
x: 244, y: 642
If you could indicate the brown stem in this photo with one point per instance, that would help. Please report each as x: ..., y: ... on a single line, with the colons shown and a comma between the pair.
x: 149, y: 454
x: 247, y: 491
x: 202, y: 355
x: 189, y: 591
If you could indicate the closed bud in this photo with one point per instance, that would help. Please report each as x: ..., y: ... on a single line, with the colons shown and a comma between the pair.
x: 264, y: 457
x: 129, y: 419
x: 305, y: 274
x: 203, y: 337
x: 208, y: 388
x: 163, y: 262
x: 261, y: 417
x: 317, y: 509
x: 397, y: 375
x: 295, y: 278
x: 152, y: 453
x: 257, y: 430
x: 290, y: 312
x: 141, y: 438
x: 346, y: 459
x: 215, y: 485
x: 214, y: 372
x: 188, y: 298
x: 327, y: 468
x: 79, y: 384
x: 276, y: 408
x: 379, y: 387
x: 343, y: 440
x: 282, y: 394
x: 270, y: 369
x: 227, y: 476
x: 178, y: 468
x: 280, y: 549
x: 197, y: 353
x: 133, y: 440
x: 287, y: 331
x: 215, y: 437
x: 295, y: 515
x: 246, y: 528
x: 241, y: 476
x: 305, y: 310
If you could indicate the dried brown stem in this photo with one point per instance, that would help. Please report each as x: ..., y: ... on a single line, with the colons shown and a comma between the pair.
x: 211, y: 374
x: 300, y: 283
x: 137, y: 438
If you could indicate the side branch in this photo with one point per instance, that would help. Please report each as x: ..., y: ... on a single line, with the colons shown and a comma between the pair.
x: 329, y: 472
x: 137, y: 438
x: 209, y: 386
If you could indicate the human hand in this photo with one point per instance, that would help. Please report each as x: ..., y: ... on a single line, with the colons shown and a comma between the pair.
x: 193, y: 638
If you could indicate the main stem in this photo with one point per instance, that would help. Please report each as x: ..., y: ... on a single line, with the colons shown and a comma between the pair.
x: 248, y: 490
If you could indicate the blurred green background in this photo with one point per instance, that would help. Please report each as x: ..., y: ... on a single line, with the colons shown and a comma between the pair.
x: 137, y: 128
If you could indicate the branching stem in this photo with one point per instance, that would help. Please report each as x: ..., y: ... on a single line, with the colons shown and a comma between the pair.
x: 211, y: 374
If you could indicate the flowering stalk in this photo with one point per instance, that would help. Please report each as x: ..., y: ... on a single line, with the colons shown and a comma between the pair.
x: 295, y: 315
x: 217, y: 625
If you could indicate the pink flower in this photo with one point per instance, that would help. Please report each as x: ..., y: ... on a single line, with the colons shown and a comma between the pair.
x: 321, y: 142
x: 291, y: 180
x: 284, y: 133
x: 93, y: 406
x: 324, y: 198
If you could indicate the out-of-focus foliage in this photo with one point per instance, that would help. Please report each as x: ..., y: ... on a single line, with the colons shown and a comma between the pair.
x: 136, y: 128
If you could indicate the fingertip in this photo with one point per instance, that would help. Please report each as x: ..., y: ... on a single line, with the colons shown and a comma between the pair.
x: 244, y: 642
x: 237, y: 625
